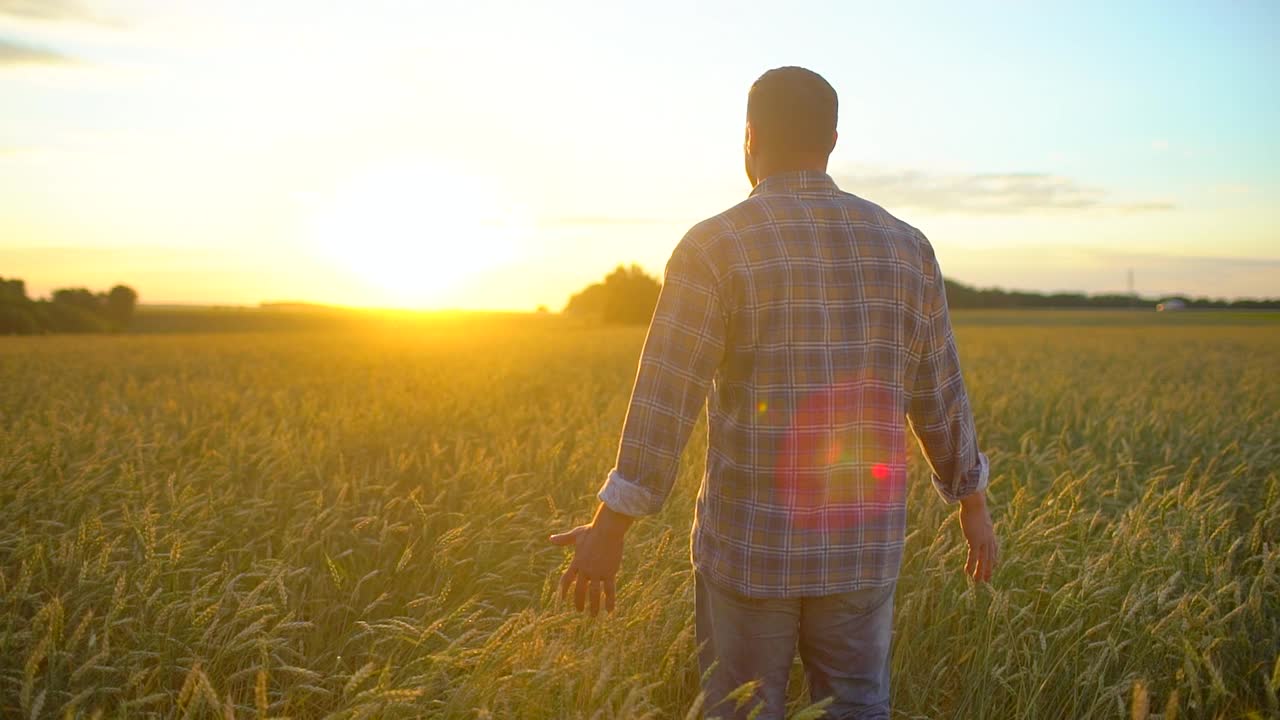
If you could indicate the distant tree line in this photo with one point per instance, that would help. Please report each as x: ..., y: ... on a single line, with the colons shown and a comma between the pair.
x: 960, y: 295
x: 67, y: 310
x: 628, y: 296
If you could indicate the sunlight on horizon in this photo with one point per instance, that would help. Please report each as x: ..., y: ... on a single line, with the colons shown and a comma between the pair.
x: 415, y: 230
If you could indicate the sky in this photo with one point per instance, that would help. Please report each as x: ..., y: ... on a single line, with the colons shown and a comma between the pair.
x: 503, y: 155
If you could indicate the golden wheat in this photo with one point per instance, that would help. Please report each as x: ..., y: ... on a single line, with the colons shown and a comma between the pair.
x: 355, y: 526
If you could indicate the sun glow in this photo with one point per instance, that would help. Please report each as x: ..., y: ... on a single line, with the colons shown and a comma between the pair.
x: 414, y: 232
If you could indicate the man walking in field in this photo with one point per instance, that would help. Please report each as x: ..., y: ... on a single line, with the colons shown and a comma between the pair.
x: 816, y: 320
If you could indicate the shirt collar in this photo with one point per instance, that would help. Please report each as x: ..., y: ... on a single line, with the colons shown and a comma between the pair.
x: 797, y: 182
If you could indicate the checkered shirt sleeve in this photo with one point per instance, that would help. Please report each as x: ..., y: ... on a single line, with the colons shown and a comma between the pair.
x: 683, y: 348
x: 939, y: 414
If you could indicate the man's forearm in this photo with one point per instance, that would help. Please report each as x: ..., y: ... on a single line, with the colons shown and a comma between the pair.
x: 611, y: 522
x: 974, y: 500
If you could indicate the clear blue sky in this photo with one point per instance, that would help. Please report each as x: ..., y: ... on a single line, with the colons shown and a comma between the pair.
x: 502, y: 155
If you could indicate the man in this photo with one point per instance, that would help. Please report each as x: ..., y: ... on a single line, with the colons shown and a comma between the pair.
x: 817, y: 321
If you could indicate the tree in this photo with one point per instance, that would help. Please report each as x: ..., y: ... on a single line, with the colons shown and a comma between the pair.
x: 17, y: 312
x: 589, y: 303
x: 120, y: 303
x: 76, y: 297
x: 630, y: 296
x: 626, y: 297
x: 13, y: 291
x: 68, y: 310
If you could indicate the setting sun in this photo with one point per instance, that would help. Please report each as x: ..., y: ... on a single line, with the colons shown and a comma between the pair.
x: 412, y: 231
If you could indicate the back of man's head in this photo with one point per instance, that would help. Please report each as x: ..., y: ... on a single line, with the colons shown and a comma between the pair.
x: 792, y: 110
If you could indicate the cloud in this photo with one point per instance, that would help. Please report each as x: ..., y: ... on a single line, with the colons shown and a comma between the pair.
x: 1231, y: 189
x: 607, y: 220
x: 1094, y: 269
x: 15, y: 53
x: 45, y: 9
x: 1200, y: 261
x: 1200, y: 275
x: 984, y: 193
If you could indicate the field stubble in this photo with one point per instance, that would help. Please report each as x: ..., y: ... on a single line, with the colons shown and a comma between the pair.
x: 354, y: 525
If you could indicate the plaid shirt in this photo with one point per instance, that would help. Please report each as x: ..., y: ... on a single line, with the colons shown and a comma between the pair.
x: 817, y: 321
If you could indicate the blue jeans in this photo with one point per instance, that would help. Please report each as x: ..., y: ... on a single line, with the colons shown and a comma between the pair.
x: 843, y: 641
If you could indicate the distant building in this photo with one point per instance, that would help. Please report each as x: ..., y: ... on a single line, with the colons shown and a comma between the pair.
x: 1171, y: 304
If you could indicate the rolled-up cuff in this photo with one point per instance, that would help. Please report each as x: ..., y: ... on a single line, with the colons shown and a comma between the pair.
x: 972, y: 481
x: 628, y: 498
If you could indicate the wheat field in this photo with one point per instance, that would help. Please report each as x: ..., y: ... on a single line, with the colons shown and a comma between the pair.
x: 353, y: 524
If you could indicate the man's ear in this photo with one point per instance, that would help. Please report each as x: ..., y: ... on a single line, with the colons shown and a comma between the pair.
x: 835, y: 136
x: 747, y: 141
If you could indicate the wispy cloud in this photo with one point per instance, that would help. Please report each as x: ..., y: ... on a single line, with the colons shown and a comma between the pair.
x: 46, y: 9
x: 37, y: 16
x: 1093, y: 269
x: 1200, y: 261
x: 1207, y: 275
x: 1231, y: 189
x: 16, y: 53
x: 985, y: 193
x: 607, y: 220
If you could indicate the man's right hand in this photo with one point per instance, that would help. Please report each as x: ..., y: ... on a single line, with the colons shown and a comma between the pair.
x: 597, y: 555
x: 975, y: 522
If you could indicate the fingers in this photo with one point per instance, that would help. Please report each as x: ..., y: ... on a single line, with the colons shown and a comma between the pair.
x: 982, y: 562
x: 593, y: 594
x: 580, y: 592
x: 568, y: 538
x: 567, y: 579
x: 588, y: 592
x: 610, y: 594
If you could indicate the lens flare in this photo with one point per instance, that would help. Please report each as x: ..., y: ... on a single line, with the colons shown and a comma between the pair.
x: 842, y: 455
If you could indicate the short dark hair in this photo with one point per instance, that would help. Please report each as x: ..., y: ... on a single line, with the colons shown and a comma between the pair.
x: 792, y: 109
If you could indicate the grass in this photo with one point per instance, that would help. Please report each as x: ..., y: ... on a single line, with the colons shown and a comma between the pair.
x: 353, y: 524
